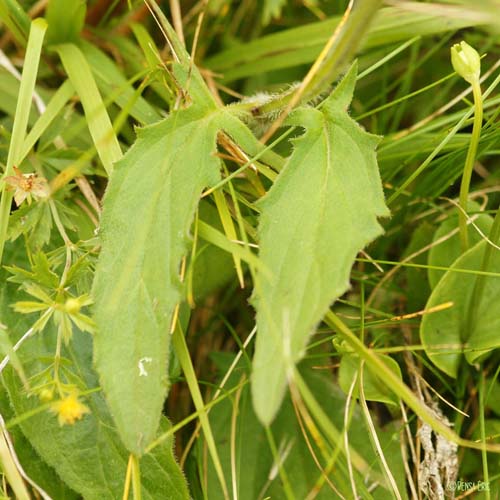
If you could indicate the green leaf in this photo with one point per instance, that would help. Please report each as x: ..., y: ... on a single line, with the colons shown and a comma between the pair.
x: 41, y: 273
x: 35, y: 221
x: 448, y: 251
x: 374, y: 388
x: 318, y: 215
x: 43, y: 123
x: 26, y: 307
x: 65, y: 20
x: 417, y: 277
x: 445, y: 334
x: 88, y: 456
x: 99, y: 123
x: 148, y: 210
x: 16, y: 20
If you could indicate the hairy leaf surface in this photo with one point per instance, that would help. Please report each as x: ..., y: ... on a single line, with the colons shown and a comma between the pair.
x: 318, y: 215
x: 148, y: 210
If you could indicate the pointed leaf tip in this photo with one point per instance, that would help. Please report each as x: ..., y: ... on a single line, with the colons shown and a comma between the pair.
x: 321, y: 211
x: 341, y: 96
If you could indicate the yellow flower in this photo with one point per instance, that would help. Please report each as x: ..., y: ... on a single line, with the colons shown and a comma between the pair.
x: 69, y: 409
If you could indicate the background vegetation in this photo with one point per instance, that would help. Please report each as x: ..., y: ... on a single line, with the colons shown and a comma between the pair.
x: 249, y: 226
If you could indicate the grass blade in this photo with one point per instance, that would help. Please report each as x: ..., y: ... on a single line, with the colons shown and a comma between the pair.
x: 98, y: 120
x: 24, y: 101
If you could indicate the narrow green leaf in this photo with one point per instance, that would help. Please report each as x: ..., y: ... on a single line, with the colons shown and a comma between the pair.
x: 54, y: 107
x: 147, y: 44
x: 302, y: 45
x: 99, y: 124
x: 23, y: 106
x: 229, y: 229
x: 11, y: 471
x: 148, y: 210
x: 114, y: 86
x: 318, y: 215
x: 219, y: 239
x: 27, y: 307
x: 16, y: 20
x: 65, y: 20
x: 182, y: 353
x: 445, y: 334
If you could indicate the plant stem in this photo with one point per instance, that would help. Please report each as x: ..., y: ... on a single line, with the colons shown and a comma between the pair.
x: 136, y: 477
x: 67, y: 242
x: 128, y: 479
x: 57, y: 361
x: 469, y: 163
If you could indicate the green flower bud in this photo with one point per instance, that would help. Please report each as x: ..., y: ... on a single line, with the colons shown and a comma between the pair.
x: 466, y: 61
x: 72, y: 306
x: 46, y: 395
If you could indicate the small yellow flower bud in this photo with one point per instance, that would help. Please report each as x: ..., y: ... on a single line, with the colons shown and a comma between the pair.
x: 466, y: 61
x: 72, y: 306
